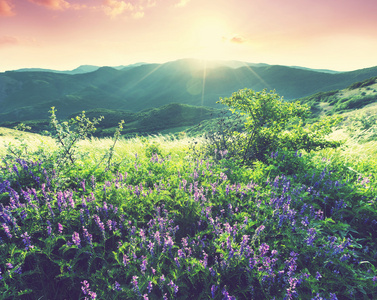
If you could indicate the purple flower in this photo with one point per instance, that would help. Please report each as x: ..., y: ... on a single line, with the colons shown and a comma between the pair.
x: 9, y: 265
x: 318, y: 276
x: 76, y: 239
x: 60, y: 228
x: 7, y: 231
x: 333, y: 296
x: 100, y: 224
x: 26, y: 240
x: 150, y: 286
x: 85, y: 287
x: 126, y: 260
x: 176, y: 260
x: 173, y: 287
x: 259, y: 229
x: 117, y: 286
x: 86, y: 290
x: 213, y: 290
x: 263, y: 248
x: 143, y: 266
x: 49, y: 228
x: 135, y: 285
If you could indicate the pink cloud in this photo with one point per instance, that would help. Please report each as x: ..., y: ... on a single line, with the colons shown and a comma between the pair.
x: 238, y: 39
x: 182, y: 3
x: 8, y: 40
x: 114, y: 8
x: 52, y: 4
x: 6, y: 8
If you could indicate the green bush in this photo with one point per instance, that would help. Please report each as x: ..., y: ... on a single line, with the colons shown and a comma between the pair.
x: 269, y: 124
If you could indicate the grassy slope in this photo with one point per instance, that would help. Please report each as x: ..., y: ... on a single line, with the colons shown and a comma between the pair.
x: 150, y: 121
x: 356, y: 96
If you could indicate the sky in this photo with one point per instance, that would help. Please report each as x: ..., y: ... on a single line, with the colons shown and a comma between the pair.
x: 64, y: 34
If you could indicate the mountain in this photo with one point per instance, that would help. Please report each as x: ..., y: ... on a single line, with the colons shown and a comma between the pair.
x: 79, y: 70
x: 29, y: 95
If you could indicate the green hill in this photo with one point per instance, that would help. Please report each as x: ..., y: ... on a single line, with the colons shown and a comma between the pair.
x: 355, y: 96
x: 29, y: 95
x: 154, y: 120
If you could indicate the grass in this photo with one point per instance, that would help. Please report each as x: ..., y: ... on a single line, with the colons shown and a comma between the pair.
x: 155, y: 222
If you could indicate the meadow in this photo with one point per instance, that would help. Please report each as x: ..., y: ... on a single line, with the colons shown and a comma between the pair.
x: 149, y: 218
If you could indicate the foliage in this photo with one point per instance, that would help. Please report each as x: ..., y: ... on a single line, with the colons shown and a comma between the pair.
x: 362, y: 127
x: 298, y: 226
x: 364, y: 83
x: 163, y: 224
x: 67, y: 138
x: 269, y: 124
x: 150, y: 121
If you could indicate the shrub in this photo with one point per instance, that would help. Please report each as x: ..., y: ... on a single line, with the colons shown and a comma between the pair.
x: 269, y: 124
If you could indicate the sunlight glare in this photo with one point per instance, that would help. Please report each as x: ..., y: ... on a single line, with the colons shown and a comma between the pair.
x: 209, y: 36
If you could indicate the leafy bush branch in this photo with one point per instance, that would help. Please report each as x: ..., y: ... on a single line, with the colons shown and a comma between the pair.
x: 269, y: 123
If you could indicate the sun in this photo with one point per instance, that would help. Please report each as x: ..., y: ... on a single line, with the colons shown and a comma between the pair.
x: 209, y: 35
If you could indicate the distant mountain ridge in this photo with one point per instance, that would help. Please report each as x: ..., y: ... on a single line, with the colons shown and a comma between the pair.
x: 211, y: 64
x: 29, y: 95
x: 79, y: 70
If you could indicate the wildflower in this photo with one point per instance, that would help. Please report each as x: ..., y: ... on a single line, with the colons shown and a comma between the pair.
x: 117, y: 286
x: 259, y: 229
x: 99, y: 224
x: 9, y: 265
x: 86, y: 290
x: 150, y: 286
x: 7, y: 231
x: 176, y: 260
x: 76, y: 239
x: 213, y: 290
x: 26, y: 240
x: 333, y: 296
x: 264, y: 248
x: 126, y: 260
x: 173, y: 286
x: 143, y: 266
x: 87, y: 236
x: 49, y: 228
x: 60, y: 228
x: 318, y: 276
x: 135, y: 285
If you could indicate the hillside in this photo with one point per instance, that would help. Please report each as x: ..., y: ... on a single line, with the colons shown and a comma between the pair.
x: 355, y: 96
x: 29, y: 95
x: 169, y: 118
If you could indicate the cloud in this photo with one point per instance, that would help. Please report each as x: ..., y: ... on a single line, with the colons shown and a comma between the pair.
x: 8, y: 40
x: 238, y: 40
x: 114, y: 8
x: 138, y: 14
x: 148, y: 3
x: 52, y: 4
x: 6, y: 8
x: 182, y: 3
